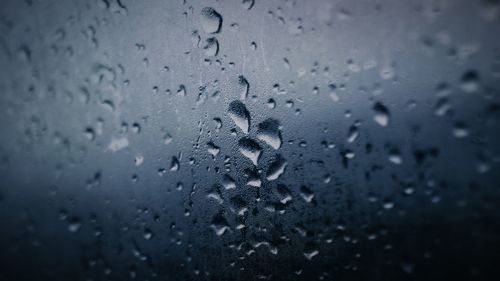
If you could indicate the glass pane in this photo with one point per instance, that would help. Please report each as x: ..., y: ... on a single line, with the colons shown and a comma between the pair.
x: 249, y: 139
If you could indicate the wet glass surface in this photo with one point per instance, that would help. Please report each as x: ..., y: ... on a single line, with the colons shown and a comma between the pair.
x: 249, y: 140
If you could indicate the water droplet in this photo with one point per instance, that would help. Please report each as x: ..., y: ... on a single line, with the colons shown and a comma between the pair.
x: 218, y: 123
x: 240, y: 115
x: 269, y: 132
x: 382, y: 114
x: 460, y: 130
x: 215, y: 194
x: 167, y: 138
x: 253, y: 45
x: 240, y: 206
x: 253, y: 178
x: 277, y: 168
x: 250, y: 149
x: 74, y: 224
x: 353, y: 134
x: 211, y: 20
x: 310, y: 254
x: 388, y: 204
x: 228, y: 182
x: 244, y: 87
x: 213, y: 149
x: 211, y: 47
x: 469, y: 82
x: 219, y: 224
x: 136, y: 128
x: 174, y: 164
x: 271, y: 103
x: 306, y: 193
x: 442, y: 106
x: 248, y: 4
x: 148, y: 234
x: 395, y: 157
x: 285, y: 194
x: 181, y: 91
x: 89, y: 134
x: 138, y: 160
x: 117, y: 144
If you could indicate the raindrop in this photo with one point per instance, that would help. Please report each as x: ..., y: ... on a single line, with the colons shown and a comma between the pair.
x: 219, y: 224
x: 248, y: 4
x: 138, y: 160
x: 136, y: 128
x: 240, y: 115
x: 240, y: 206
x: 211, y: 47
x: 253, y: 178
x: 269, y: 132
x: 218, y: 123
x: 395, y: 157
x: 460, y: 130
x: 306, y: 193
x: 310, y: 254
x: 382, y: 114
x: 271, y: 103
x: 285, y: 194
x: 250, y: 149
x: 353, y: 134
x: 211, y: 20
x: 74, y: 224
x: 442, y: 106
x: 148, y: 234
x: 174, y: 164
x: 215, y: 194
x: 213, y: 149
x: 167, y: 138
x: 469, y: 82
x: 228, y: 182
x: 89, y: 134
x: 117, y: 144
x: 181, y: 91
x: 276, y: 169
x: 244, y: 87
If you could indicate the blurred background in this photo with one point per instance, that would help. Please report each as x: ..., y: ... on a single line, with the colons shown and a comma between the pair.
x: 249, y: 140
